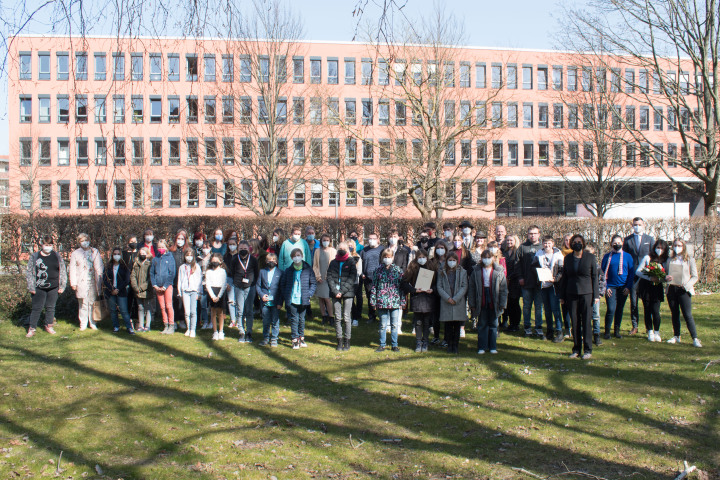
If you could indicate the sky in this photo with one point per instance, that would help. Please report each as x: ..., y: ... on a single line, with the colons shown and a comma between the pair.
x: 488, y: 23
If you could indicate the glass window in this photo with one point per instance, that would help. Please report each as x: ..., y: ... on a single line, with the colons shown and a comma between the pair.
x: 81, y: 109
x: 465, y: 75
x: 527, y: 115
x: 81, y: 66
x: 281, y: 69
x: 229, y: 151
x: 25, y: 66
x: 211, y: 151
x: 228, y: 68
x: 118, y: 66
x: 558, y: 115
x: 175, y: 194
x: 83, y: 194
x: 367, y: 152
x: 368, y: 192
x: 400, y: 113
x: 173, y: 66
x: 211, y: 193
x: 119, y: 194
x: 100, y: 109
x: 315, y: 111
x: 228, y: 112
x: 298, y: 152
x: 192, y: 109
x: 156, y: 194
x: 209, y: 70
x: 44, y: 106
x: 245, y: 110
x: 512, y: 77
x: 334, y: 151
x: 119, y: 151
x: 101, y: 194
x: 118, y: 109
x: 383, y: 73
x: 192, y: 151
x: 174, y: 151
x: 316, y: 151
x: 542, y: 116
x: 210, y: 110
x: 299, y: 194
x: 63, y: 194
x: 332, y: 71
x: 44, y: 152
x: 63, y: 152
x: 63, y: 103
x: 155, y: 151
x: 137, y: 109
x: 542, y: 78
x: 349, y: 71
x: 528, y: 154
x: 155, y: 109
x: 366, y: 72
x: 100, y: 66
x: 264, y: 69
x: 350, y: 113
x: 481, y: 152
x: 191, y: 66
x: 315, y: 70
x: 63, y: 65
x: 527, y: 71
x: 298, y: 70
x: 572, y: 79
x: 193, y: 193
x: 43, y: 66
x: 138, y: 194
x: 367, y: 111
x: 100, y: 151
x: 25, y: 152
x: 350, y: 151
x: 384, y: 112
x: 173, y: 109
x: 229, y: 193
x: 557, y: 78
x: 25, y: 108
x: 136, y: 66
x: 138, y: 151
x: 281, y: 111
x: 155, y: 67
x: 480, y: 75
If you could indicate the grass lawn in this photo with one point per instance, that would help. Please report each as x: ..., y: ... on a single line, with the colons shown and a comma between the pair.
x: 170, y: 407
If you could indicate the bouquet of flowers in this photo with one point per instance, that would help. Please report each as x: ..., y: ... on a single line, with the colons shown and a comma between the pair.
x: 655, y: 270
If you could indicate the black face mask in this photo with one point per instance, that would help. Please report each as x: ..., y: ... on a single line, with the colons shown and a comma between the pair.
x: 271, y: 264
x: 341, y: 253
x: 142, y: 257
x: 577, y: 246
x: 132, y: 245
x: 617, y: 248
x: 214, y: 265
x: 244, y: 253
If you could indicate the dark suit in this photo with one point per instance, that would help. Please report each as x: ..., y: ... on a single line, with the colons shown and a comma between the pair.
x: 638, y: 252
x: 578, y: 289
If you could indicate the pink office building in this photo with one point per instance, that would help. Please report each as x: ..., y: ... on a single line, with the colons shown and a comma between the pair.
x: 177, y: 126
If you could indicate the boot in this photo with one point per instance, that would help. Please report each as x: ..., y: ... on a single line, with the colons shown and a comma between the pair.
x: 607, y: 332
x: 347, y: 344
x: 340, y: 345
x: 617, y: 331
x: 596, y: 339
x: 424, y: 346
x: 559, y: 337
x: 418, y: 346
x: 171, y: 329
x: 165, y: 331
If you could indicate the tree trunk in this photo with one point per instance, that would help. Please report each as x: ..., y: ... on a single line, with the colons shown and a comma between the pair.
x: 707, y: 272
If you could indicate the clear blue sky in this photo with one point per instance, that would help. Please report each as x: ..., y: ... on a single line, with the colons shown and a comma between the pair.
x: 509, y: 23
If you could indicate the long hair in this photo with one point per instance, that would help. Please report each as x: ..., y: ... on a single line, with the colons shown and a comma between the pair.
x: 190, y: 251
x: 414, y: 267
x: 654, y: 257
x: 516, y: 243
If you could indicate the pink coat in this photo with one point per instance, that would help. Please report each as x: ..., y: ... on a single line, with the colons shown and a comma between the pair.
x: 79, y: 272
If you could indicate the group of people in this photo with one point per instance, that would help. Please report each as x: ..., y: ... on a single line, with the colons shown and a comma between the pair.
x: 444, y: 279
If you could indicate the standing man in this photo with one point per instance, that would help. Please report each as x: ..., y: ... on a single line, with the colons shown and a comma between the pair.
x: 401, y: 252
x: 370, y: 256
x: 531, y: 292
x: 500, y: 234
x: 466, y: 228
x: 637, y: 244
x: 448, y: 232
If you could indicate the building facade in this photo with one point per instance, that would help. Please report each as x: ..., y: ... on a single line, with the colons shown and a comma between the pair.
x: 179, y: 126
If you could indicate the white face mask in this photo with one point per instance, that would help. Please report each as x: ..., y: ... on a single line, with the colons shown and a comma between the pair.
x: 458, y: 244
x: 392, y: 240
x: 85, y: 244
x: 487, y: 261
x: 493, y: 250
x: 467, y: 231
x: 297, y: 259
x: 440, y: 251
x: 326, y: 243
x: 198, y: 243
x: 275, y: 238
x: 180, y: 242
x: 678, y: 250
x: 452, y: 263
x: 637, y: 229
x: 149, y: 238
x: 296, y: 238
x: 189, y: 259
x: 422, y: 260
x: 206, y: 251
x: 387, y: 261
x: 47, y: 248
x: 232, y: 248
x: 659, y: 251
x: 448, y: 233
x: 372, y: 242
x: 117, y: 257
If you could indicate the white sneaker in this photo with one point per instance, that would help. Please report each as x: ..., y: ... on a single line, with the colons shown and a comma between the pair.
x: 657, y: 336
x: 674, y: 340
x: 221, y: 335
x: 354, y: 323
x: 462, y: 332
x: 696, y: 343
x: 482, y: 352
x: 187, y: 332
x: 192, y: 334
x: 493, y: 351
x: 651, y: 336
x: 215, y: 336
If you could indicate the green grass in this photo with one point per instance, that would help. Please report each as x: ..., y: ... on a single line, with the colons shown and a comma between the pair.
x: 159, y: 407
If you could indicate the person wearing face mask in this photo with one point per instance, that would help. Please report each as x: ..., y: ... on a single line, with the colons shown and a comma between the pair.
x: 267, y: 288
x: 652, y: 291
x: 244, y: 271
x: 551, y: 258
x: 355, y: 238
x: 321, y: 261
x: 452, y: 286
x: 148, y: 239
x: 438, y: 255
x: 448, y: 232
x: 358, y: 299
x: 422, y: 302
x: 297, y: 286
x: 232, y: 250
x: 218, y: 246
x: 116, y: 280
x: 190, y: 279
x: 310, y: 239
x: 140, y: 284
x: 129, y: 256
x: 638, y: 244
x: 619, y: 269
x: 512, y: 260
x: 295, y: 241
x: 85, y: 276
x: 46, y: 279
x: 466, y: 230
x: 199, y: 241
x: 579, y: 289
x: 401, y: 253
x: 276, y: 241
x: 204, y: 261
x: 370, y: 257
x: 387, y: 298
x: 531, y: 293
x: 162, y: 277
x: 341, y: 278
x: 216, y: 285
x: 487, y: 298
x: 681, y: 290
x: 475, y: 250
x: 176, y: 249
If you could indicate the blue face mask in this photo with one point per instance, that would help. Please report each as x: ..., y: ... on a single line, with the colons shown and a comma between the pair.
x: 218, y: 238
x: 310, y: 238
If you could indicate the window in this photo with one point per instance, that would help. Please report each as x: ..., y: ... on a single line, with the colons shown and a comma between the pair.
x: 383, y: 73
x: 558, y: 152
x: 175, y: 194
x: 366, y: 72
x: 542, y: 115
x: 333, y: 193
x: 496, y: 76
x: 368, y: 192
x: 83, y: 194
x: 193, y: 156
x: 449, y: 106
x: 385, y: 149
x: 81, y: 66
x: 333, y: 151
x: 333, y: 111
x: 263, y: 116
x: 527, y: 71
x: 63, y: 151
x: 385, y: 193
x: 191, y: 67
x: 118, y: 66
x: 25, y: 65
x: 481, y: 152
x: 119, y: 194
x: 367, y: 111
x: 63, y: 65
x: 557, y: 78
x: 156, y: 194
x: 209, y: 108
x: 643, y: 81
x: 512, y: 77
x: 25, y: 108
x: 138, y: 194
x: 316, y: 151
x: 155, y: 67
x: 588, y: 153
x: 527, y: 115
x: 615, y: 80
x: 228, y: 68
x: 63, y: 103
x: 298, y: 69
x: 588, y: 116
x: 228, y: 193
x: 25, y: 152
x: 101, y: 194
x: 332, y: 71
x: 209, y: 70
x: 136, y: 67
x: 542, y: 77
x: 264, y: 69
x: 558, y: 115
x: 245, y: 110
x: 572, y: 79
x: 119, y: 151
x: 315, y: 70
x: 246, y: 192
x: 512, y: 115
x: 350, y: 151
x: 299, y: 194
x: 100, y: 109
x: 210, y: 151
x: 44, y: 108
x: 450, y: 154
x: 658, y: 119
x: 192, y: 109
x: 173, y: 109
x: 173, y: 67
x: 630, y: 117
x: 586, y: 81
x: 528, y: 154
x: 155, y: 109
x: 543, y: 154
x: 629, y: 80
x: 43, y: 66
x: 349, y: 71
x: 482, y: 188
x: 416, y: 71
x: 400, y: 113
x: 137, y: 109
x: 100, y: 68
x: 466, y: 192
x: 155, y: 151
x: 299, y: 152
x: 480, y: 75
x: 464, y: 75
x: 228, y: 109
x: 100, y: 151
x: 384, y: 112
x: 229, y: 151
x: 118, y: 109
x: 572, y: 116
x: 315, y: 111
x: 138, y: 151
x: 465, y: 152
x: 63, y: 194
x: 672, y: 155
x: 281, y: 69
x: 44, y: 152
x: 316, y: 193
x: 600, y: 79
x: 367, y: 152
x: 630, y: 155
x: 26, y: 195
x: 211, y: 193
x: 644, y: 118
x: 350, y: 115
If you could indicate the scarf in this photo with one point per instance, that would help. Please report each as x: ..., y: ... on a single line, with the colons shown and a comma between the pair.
x: 343, y: 258
x: 620, y: 266
x: 298, y: 266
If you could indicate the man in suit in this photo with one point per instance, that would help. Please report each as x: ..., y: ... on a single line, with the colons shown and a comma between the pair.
x: 637, y: 244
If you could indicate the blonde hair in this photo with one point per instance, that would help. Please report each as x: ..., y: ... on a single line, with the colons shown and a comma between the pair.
x: 83, y: 236
x: 516, y: 242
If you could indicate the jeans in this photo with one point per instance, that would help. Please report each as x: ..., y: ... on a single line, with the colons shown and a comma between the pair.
x: 651, y: 311
x: 271, y: 323
x: 551, y: 304
x: 244, y: 305
x: 85, y: 307
x: 532, y: 296
x: 189, y: 300
x: 343, y: 308
x: 358, y: 303
x: 204, y: 300
x: 634, y: 313
x: 487, y: 329
x: 389, y: 317
x: 166, y: 305
x: 232, y: 306
x: 615, y: 305
x: 372, y: 313
x: 580, y: 307
x: 596, y: 318
x: 43, y: 299
x: 452, y: 335
x: 296, y: 314
x: 679, y: 299
x: 115, y: 301
x: 422, y: 322
x: 146, y: 308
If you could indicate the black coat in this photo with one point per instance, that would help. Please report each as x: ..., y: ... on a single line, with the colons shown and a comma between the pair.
x: 637, y: 254
x: 238, y: 273
x: 513, y: 275
x: 345, y: 281
x: 584, y: 281
x: 421, y: 302
x: 123, y: 280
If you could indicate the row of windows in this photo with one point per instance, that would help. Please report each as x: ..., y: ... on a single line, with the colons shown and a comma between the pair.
x: 189, y: 193
x: 317, y: 151
x: 260, y: 68
x: 534, y: 115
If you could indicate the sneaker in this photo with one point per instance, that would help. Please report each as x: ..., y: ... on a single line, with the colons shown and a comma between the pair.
x: 273, y: 344
x: 82, y: 329
x: 481, y: 352
x: 192, y: 334
x: 296, y: 346
x: 528, y: 332
x: 30, y: 333
x: 215, y: 336
x: 657, y: 336
x: 50, y: 329
x: 540, y: 333
x: 232, y: 325
x: 206, y: 326
x: 242, y: 338
x: 248, y: 338
x: 696, y: 343
x: 651, y: 336
x: 395, y: 349
x: 354, y: 323
x: 187, y: 332
x: 558, y: 338
x: 574, y: 355
x: 443, y: 344
x: 380, y: 349
x: 587, y: 356
x: 131, y: 331
x: 435, y: 341
x: 674, y: 340
x: 221, y: 335
x: 462, y: 332
x: 264, y: 343
x: 493, y: 352
x: 302, y: 343
x: 116, y: 329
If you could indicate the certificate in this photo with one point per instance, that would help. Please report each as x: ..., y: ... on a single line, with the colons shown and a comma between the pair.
x: 544, y: 275
x: 676, y: 271
x: 424, y: 279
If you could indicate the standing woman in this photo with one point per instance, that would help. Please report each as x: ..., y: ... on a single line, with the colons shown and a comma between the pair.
x: 497, y: 255
x: 189, y: 285
x: 204, y: 261
x: 619, y: 269
x: 176, y: 249
x: 579, y: 289
x: 278, y: 238
x: 86, y: 269
x: 678, y: 296
x: 651, y: 290
x: 512, y: 261
x: 487, y: 297
x: 217, y: 243
x: 232, y: 250
x: 387, y: 298
x: 439, y: 254
x: 46, y: 279
x: 297, y: 286
x: 162, y: 277
x: 129, y: 256
x: 149, y: 238
x: 452, y: 287
x: 199, y: 241
x: 358, y: 300
x: 116, y: 281
x: 216, y: 284
x: 463, y: 254
x: 422, y: 302
x: 342, y: 279
x: 140, y: 284
x: 321, y: 261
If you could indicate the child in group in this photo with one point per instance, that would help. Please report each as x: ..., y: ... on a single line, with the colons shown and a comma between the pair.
x: 140, y: 283
x: 297, y: 286
x: 216, y: 284
x: 452, y: 287
x: 487, y: 297
x: 267, y: 289
x: 162, y: 277
x: 189, y: 285
x: 422, y: 302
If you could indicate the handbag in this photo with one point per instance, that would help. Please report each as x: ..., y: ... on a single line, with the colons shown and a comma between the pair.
x: 100, y: 311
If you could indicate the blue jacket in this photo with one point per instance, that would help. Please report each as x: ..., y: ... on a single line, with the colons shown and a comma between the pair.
x: 162, y: 271
x: 264, y: 288
x: 307, y: 282
x: 614, y: 280
x: 370, y: 260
